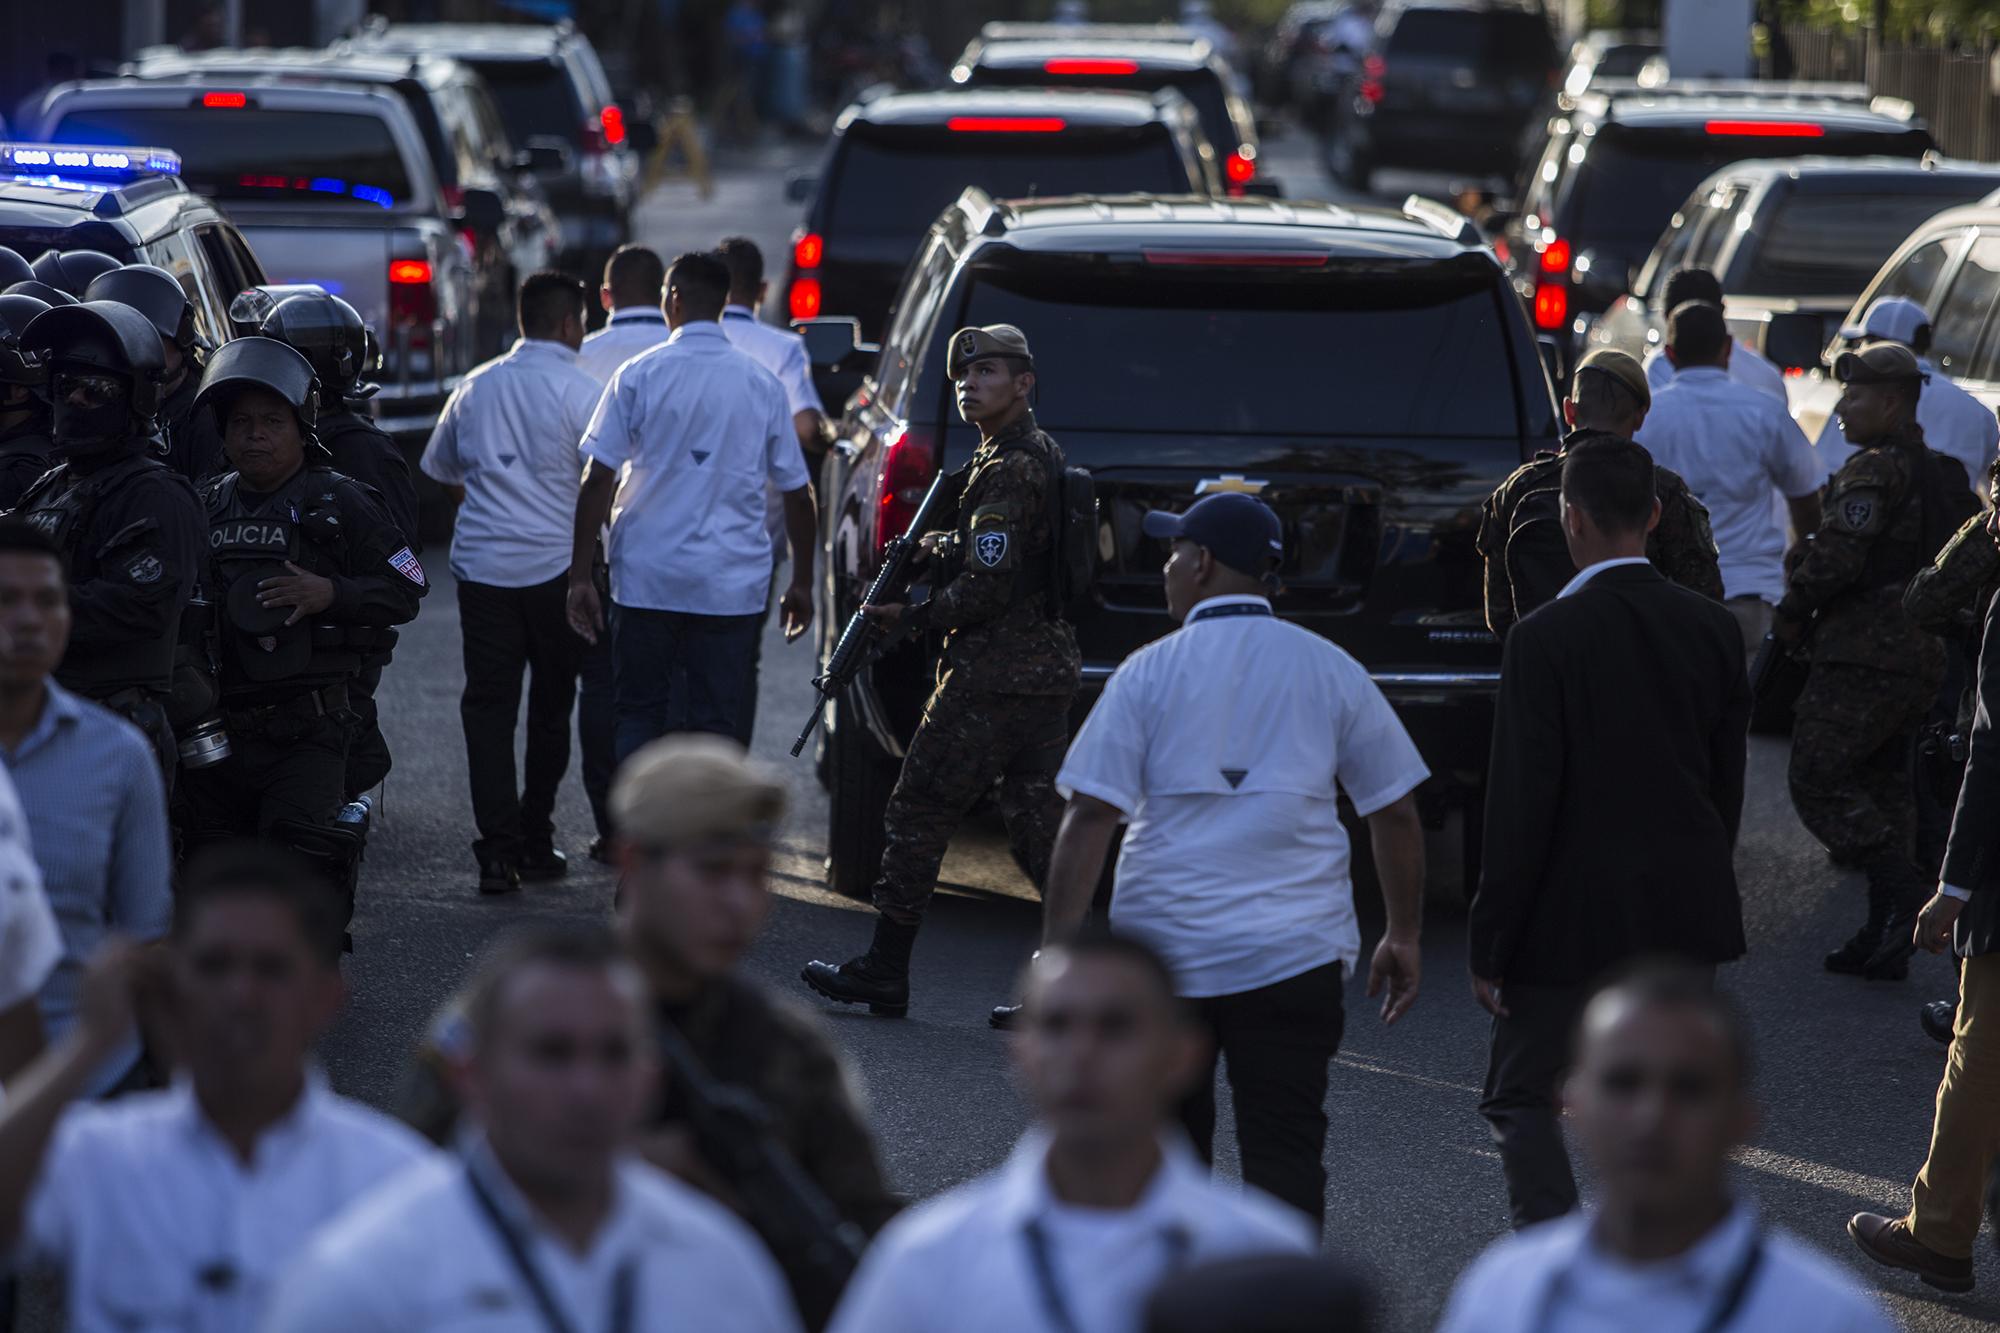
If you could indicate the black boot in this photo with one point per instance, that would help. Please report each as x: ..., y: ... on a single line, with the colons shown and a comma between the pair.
x: 879, y: 978
x: 1903, y: 893
x: 1851, y: 958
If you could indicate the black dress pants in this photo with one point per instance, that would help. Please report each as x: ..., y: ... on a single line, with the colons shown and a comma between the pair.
x: 509, y: 632
x: 1279, y: 1041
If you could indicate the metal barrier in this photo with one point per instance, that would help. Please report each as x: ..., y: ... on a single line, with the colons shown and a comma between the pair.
x: 1951, y: 84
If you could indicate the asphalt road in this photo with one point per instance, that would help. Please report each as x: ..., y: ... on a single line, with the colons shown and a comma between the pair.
x: 1846, y: 1078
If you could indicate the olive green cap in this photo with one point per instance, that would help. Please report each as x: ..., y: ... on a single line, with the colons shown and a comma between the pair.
x: 695, y: 788
x: 1878, y: 363
x: 1622, y: 367
x: 968, y: 345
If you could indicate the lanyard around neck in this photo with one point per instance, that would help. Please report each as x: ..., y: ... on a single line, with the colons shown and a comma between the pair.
x: 1042, y: 1260
x: 624, y: 1282
x: 1727, y: 1304
x: 1230, y: 609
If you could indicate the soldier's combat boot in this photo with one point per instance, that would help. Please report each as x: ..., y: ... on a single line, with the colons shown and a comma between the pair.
x: 879, y: 978
x: 1903, y: 890
x: 1851, y: 958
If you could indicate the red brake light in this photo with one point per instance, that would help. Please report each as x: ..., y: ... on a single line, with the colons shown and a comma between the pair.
x: 1766, y: 129
x: 1090, y: 67
x: 808, y: 249
x: 412, y: 302
x: 220, y: 100
x: 404, y: 271
x: 908, y: 465
x: 611, y: 123
x: 1551, y: 305
x: 805, y: 298
x: 1239, y: 168
x: 1006, y: 124
x: 1373, y: 70
x: 1555, y: 257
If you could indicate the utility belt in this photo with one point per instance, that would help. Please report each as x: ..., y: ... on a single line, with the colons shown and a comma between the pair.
x: 288, y: 718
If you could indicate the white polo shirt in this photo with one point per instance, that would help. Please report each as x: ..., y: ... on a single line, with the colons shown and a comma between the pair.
x: 632, y: 329
x: 1954, y: 423
x: 1747, y: 366
x: 156, y: 1223
x: 1733, y: 446
x: 1555, y: 1278
x: 967, y: 1261
x: 694, y: 429
x: 1226, y: 746
x: 783, y: 353
x: 422, y: 1253
x: 509, y: 436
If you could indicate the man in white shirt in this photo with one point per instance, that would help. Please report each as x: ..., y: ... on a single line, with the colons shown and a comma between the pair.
x: 684, y: 441
x: 507, y: 442
x: 1953, y: 421
x: 1659, y: 1098
x: 544, y: 1222
x: 1733, y: 446
x: 179, y: 1208
x: 30, y: 942
x: 1101, y: 1200
x: 1235, y: 864
x: 1747, y: 366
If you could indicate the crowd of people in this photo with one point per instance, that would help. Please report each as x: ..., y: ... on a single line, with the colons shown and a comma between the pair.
x: 611, y: 1126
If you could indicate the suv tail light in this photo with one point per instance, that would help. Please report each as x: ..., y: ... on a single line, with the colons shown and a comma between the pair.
x: 412, y: 302
x: 1552, y: 284
x: 1373, y: 71
x: 611, y: 125
x: 909, y: 465
x: 1006, y: 124
x: 808, y: 251
x: 1239, y: 167
x: 1090, y: 68
x: 224, y: 101
x: 1766, y: 129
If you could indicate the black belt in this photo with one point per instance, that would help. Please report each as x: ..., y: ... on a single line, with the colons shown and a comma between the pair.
x: 322, y: 702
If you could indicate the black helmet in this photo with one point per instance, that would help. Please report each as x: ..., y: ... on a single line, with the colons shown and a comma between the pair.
x: 263, y: 363
x: 72, y: 270
x: 13, y: 268
x: 17, y: 366
x: 154, y: 293
x: 330, y: 334
x: 41, y: 291
x: 97, y: 340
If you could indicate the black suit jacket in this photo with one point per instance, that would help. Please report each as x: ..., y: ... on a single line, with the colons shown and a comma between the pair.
x: 1616, y: 784
x: 1972, y: 859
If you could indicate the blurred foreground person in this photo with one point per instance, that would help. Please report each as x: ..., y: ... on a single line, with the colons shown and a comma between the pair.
x: 547, y: 1223
x: 179, y: 1208
x: 1101, y: 1200
x: 1660, y: 1096
x: 1263, y: 1293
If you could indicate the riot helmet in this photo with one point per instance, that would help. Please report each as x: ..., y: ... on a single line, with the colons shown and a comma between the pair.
x: 331, y: 336
x: 17, y: 366
x: 72, y: 270
x: 13, y: 268
x: 154, y: 293
x: 41, y: 291
x: 105, y: 364
x: 261, y: 363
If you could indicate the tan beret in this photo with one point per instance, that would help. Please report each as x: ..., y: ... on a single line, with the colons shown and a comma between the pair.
x: 1622, y: 367
x: 692, y: 788
x: 968, y: 345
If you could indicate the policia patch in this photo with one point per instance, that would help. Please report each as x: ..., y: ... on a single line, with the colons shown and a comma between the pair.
x: 992, y: 540
x: 1856, y: 512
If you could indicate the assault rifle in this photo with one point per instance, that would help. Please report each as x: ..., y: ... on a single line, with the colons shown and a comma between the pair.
x: 861, y: 640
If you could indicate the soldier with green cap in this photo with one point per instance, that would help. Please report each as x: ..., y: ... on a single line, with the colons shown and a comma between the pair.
x: 1009, y: 669
x: 1874, y: 671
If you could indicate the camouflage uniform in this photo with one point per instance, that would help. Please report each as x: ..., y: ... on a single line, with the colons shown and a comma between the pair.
x: 1000, y: 711
x: 1681, y: 547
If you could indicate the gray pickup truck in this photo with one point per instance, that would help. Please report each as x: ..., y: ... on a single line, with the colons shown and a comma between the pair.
x: 331, y: 186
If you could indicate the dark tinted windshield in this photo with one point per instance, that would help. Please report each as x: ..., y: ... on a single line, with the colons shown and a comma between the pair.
x: 1202, y: 88
x: 316, y: 157
x: 1394, y: 349
x: 1832, y: 244
x: 897, y: 186
x: 1624, y: 61
x: 1507, y: 43
x: 536, y: 97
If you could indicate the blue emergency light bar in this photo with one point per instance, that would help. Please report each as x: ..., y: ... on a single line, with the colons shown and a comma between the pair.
x: 100, y: 165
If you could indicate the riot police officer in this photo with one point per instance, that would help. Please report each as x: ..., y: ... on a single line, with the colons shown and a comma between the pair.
x: 131, y: 530
x: 13, y: 268
x: 307, y: 573
x: 193, y: 448
x: 71, y: 271
x: 26, y: 447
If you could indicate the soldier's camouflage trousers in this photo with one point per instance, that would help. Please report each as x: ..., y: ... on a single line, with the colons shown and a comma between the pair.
x: 1851, y: 746
x: 969, y: 740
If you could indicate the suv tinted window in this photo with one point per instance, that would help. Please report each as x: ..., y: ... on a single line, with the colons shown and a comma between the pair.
x: 535, y: 96
x: 1916, y: 277
x: 1508, y: 44
x: 1962, y: 314
x: 1201, y: 87
x: 896, y: 185
x: 1822, y: 244
x: 1712, y: 228
x: 318, y: 157
x: 1422, y: 347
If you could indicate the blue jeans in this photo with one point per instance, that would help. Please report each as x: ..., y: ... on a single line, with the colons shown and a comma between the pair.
x: 678, y: 671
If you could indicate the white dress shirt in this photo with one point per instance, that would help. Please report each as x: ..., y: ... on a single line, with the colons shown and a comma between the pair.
x: 694, y: 429
x: 1954, y: 423
x: 965, y: 1262
x: 1747, y: 366
x: 1589, y: 572
x: 632, y: 329
x: 422, y: 1253
x: 1555, y: 1278
x: 509, y: 436
x: 156, y: 1223
x: 1226, y: 745
x: 30, y: 941
x: 783, y: 353
x: 1733, y: 446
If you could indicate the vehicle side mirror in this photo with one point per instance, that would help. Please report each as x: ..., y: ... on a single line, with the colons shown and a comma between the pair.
x: 545, y: 155
x: 832, y: 339
x: 1267, y: 187
x: 483, y: 211
x: 799, y: 187
x: 1795, y: 339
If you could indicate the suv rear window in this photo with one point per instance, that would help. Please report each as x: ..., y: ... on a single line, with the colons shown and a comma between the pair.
x: 536, y: 97
x: 1509, y: 43
x: 1832, y: 244
x: 897, y: 184
x: 320, y: 157
x: 1410, y: 348
x: 1202, y: 88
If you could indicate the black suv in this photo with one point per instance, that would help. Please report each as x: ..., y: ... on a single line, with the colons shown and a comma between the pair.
x: 138, y: 212
x: 1445, y: 86
x: 1615, y: 169
x: 896, y: 161
x: 1366, y: 372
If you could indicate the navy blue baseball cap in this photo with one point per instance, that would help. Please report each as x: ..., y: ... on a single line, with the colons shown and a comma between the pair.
x: 1239, y: 530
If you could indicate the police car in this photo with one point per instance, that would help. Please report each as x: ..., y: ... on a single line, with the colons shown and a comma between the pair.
x: 1366, y: 371
x: 131, y: 204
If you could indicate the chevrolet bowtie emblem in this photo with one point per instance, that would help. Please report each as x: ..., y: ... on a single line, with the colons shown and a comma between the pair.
x: 1230, y: 483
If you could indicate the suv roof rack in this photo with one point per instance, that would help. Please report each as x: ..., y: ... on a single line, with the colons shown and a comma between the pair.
x: 1443, y: 219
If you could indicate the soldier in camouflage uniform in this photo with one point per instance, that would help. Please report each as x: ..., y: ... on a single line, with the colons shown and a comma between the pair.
x: 1008, y: 672
x: 1609, y: 396
x: 1874, y: 671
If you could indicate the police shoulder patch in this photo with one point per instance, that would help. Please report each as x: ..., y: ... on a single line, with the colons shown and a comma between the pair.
x: 145, y: 569
x: 1858, y: 511
x: 990, y: 548
x: 405, y: 563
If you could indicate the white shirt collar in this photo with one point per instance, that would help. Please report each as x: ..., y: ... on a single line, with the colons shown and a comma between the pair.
x: 544, y: 347
x: 521, y: 1215
x: 1584, y: 576
x: 739, y: 311
x: 1703, y: 1268
x: 1231, y: 599
x: 638, y: 314
x: 279, y: 1135
x: 698, y: 328
x: 1700, y: 372
x: 1024, y: 1193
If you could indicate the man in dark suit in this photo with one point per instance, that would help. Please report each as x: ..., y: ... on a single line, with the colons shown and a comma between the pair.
x: 1934, y: 1239
x: 1613, y: 799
